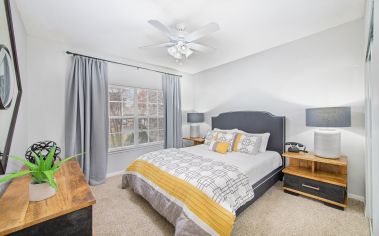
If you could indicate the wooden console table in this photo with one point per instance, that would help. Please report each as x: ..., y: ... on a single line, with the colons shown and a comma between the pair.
x: 69, y: 212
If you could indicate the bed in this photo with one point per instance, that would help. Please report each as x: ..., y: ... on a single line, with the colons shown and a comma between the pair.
x: 166, y: 178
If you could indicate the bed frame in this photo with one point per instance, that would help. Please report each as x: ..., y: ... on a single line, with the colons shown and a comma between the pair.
x: 257, y: 122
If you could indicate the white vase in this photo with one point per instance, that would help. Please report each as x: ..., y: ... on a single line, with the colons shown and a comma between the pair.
x: 39, y: 192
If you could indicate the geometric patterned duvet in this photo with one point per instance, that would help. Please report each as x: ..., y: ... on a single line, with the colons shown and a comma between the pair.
x: 208, y: 191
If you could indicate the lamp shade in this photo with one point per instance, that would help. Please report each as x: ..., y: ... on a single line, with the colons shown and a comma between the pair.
x: 195, y: 117
x: 328, y: 117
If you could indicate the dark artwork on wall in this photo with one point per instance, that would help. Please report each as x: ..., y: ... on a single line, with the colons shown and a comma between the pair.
x: 10, y: 83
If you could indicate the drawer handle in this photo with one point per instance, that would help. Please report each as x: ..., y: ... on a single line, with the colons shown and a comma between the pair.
x: 308, y: 186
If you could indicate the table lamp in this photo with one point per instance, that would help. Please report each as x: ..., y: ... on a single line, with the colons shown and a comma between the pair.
x: 194, y: 118
x: 327, y: 139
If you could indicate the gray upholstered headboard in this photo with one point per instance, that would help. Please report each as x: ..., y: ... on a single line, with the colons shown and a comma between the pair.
x: 255, y: 122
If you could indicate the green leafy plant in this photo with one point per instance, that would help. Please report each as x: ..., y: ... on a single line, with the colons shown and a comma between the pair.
x: 42, y: 171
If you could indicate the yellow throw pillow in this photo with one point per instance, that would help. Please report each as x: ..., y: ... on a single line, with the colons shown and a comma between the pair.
x: 220, y: 147
x: 236, y: 142
x: 226, y: 138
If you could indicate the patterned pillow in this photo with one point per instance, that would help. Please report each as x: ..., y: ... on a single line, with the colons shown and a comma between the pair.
x: 220, y: 147
x: 226, y: 138
x: 209, y: 137
x: 247, y: 143
x: 265, y: 138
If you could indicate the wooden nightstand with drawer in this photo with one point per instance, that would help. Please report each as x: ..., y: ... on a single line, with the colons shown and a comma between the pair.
x: 318, y: 178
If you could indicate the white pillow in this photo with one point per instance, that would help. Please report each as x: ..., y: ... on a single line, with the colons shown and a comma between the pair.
x: 265, y: 137
x: 226, y: 130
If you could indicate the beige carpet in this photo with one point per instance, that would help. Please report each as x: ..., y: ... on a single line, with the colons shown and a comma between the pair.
x: 121, y: 212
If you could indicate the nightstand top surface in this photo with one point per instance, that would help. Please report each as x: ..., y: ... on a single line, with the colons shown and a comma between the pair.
x: 342, y: 161
x: 198, y: 139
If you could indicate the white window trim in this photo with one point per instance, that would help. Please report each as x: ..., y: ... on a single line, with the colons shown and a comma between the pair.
x: 136, y: 145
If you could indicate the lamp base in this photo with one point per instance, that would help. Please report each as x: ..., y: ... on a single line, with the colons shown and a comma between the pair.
x: 194, y: 131
x: 327, y: 143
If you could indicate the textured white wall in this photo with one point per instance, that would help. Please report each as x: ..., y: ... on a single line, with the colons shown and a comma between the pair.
x: 48, y: 67
x: 20, y: 143
x: 325, y: 69
x: 47, y: 73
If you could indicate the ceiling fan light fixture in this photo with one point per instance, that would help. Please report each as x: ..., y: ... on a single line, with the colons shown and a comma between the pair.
x: 181, y: 43
x: 188, y: 52
x: 178, y: 56
x: 173, y: 51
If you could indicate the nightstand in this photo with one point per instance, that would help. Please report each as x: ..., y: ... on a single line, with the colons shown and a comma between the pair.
x: 196, y: 141
x: 318, y: 178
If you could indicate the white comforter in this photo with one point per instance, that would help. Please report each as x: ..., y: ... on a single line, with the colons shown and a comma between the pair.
x: 254, y: 166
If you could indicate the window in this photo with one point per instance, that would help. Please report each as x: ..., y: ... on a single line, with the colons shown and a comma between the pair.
x: 135, y: 117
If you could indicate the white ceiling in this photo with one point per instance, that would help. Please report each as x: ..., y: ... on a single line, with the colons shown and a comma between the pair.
x: 119, y: 27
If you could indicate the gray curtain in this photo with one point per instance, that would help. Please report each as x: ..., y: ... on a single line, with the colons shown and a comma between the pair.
x: 87, y: 117
x: 173, y: 111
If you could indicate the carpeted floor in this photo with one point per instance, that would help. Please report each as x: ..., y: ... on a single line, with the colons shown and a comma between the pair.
x: 121, y: 212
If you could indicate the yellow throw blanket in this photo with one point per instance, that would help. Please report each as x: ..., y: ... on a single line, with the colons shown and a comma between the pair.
x: 210, y: 212
x: 209, y: 191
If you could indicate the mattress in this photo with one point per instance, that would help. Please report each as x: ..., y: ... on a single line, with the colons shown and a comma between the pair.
x: 254, y: 166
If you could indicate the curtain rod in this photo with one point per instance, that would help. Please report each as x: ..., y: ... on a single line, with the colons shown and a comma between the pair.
x: 124, y: 64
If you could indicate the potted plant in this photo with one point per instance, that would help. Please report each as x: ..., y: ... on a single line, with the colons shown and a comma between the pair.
x: 43, y: 184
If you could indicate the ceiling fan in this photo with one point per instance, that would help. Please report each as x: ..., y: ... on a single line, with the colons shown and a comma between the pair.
x: 181, y: 43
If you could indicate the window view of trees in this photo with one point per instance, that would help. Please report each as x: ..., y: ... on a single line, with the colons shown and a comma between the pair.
x: 135, y: 116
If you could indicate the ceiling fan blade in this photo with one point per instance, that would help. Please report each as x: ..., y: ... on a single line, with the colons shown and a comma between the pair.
x: 207, y: 29
x: 164, y: 29
x: 199, y: 47
x: 161, y: 45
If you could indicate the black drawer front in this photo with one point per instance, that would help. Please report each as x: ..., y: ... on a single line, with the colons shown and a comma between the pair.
x: 328, y: 191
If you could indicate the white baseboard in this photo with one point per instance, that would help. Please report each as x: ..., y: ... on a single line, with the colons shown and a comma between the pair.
x: 115, y: 173
x: 356, y: 197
